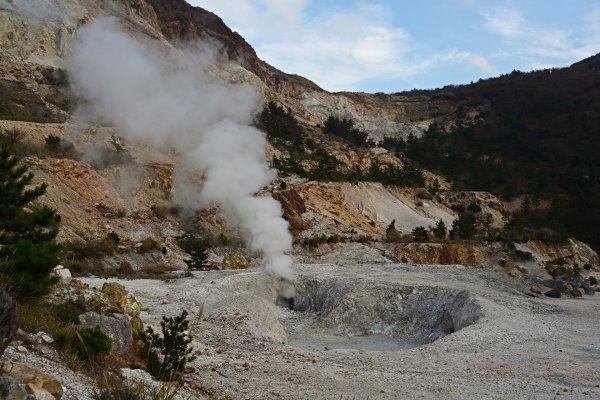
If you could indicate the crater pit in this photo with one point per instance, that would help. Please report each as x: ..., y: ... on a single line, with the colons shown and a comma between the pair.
x: 335, y: 313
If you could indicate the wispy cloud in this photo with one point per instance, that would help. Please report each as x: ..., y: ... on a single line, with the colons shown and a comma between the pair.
x: 539, y: 45
x: 338, y: 50
x: 506, y: 22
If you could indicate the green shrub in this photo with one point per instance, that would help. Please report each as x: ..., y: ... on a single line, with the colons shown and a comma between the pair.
x: 459, y: 208
x: 167, y: 355
x: 345, y: 129
x: 593, y: 280
x: 391, y: 233
x: 435, y: 187
x: 75, y: 266
x: 321, y: 239
x: 91, y: 343
x: 68, y: 314
x: 223, y: 240
x: 53, y: 142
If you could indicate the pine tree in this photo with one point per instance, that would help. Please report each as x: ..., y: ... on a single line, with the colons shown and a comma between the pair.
x: 27, y: 248
x: 420, y: 234
x: 463, y: 226
x: 440, y: 230
x: 198, y: 257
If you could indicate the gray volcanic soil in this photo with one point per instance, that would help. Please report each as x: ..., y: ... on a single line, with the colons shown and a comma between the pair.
x: 393, y: 332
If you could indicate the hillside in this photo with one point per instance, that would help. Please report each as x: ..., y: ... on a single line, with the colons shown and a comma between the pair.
x: 324, y: 245
x: 533, y: 134
x: 505, y: 136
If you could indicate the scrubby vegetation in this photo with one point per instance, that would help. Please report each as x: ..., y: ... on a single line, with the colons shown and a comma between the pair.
x: 281, y: 128
x: 61, y: 323
x: 329, y: 168
x: 344, y: 128
x: 14, y: 95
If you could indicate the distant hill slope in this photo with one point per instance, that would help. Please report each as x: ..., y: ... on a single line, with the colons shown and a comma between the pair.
x: 532, y: 133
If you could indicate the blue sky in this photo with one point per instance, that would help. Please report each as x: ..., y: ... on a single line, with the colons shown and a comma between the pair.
x: 390, y: 46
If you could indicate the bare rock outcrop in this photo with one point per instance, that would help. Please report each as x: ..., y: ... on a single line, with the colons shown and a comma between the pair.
x: 38, y: 384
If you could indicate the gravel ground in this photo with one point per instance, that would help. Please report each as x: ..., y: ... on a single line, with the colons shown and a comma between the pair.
x: 520, y: 348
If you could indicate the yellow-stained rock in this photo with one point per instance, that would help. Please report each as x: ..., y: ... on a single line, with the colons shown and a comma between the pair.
x: 439, y: 253
x: 235, y: 260
x: 125, y: 302
x: 122, y: 299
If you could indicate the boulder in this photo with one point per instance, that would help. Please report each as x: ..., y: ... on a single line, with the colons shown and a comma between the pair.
x: 587, y: 288
x: 38, y: 393
x: 32, y: 378
x: 11, y: 390
x: 136, y: 378
x: 556, y: 284
x: 116, y: 326
x: 86, y: 298
x: 8, y: 320
x: 235, y: 260
x: 555, y: 293
x: 577, y: 281
x: 112, y: 299
x: 62, y: 273
x: 125, y: 302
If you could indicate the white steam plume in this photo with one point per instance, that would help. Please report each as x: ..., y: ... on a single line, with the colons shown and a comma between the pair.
x: 204, y: 119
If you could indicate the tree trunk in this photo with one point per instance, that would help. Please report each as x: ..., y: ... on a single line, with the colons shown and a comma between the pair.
x: 8, y: 320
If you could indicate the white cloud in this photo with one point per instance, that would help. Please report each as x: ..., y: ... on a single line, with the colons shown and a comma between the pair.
x: 258, y: 19
x: 338, y: 50
x: 342, y: 49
